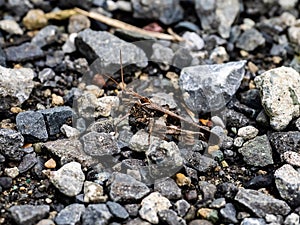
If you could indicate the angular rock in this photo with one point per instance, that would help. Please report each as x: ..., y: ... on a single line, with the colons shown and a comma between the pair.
x: 32, y: 126
x: 28, y: 214
x: 261, y: 204
x: 217, y: 15
x: 70, y: 214
x: 15, y: 86
x: 235, y: 119
x: 69, y: 150
x: 229, y: 213
x: 168, y: 188
x: 251, y: 98
x: 93, y: 192
x: 279, y: 89
x: 247, y: 132
x: 210, y: 87
x: 24, y: 52
x: 294, y: 33
x: 292, y: 219
x: 100, y: 144
x: 285, y: 141
x: 96, y: 214
x: 11, y: 143
x: 56, y: 117
x: 193, y: 41
x: 46, y: 75
x: 201, y: 163
x: 292, y: 158
x: 151, y: 205
x: 167, y: 12
x: 78, y: 23
x: 257, y: 152
x: 164, y: 158
x: 6, y: 182
x: 287, y: 181
x: 162, y: 54
x: 11, y: 27
x: 45, y: 36
x: 169, y: 217
x: 250, y: 40
x: 28, y: 161
x: 139, y: 141
x: 68, y: 179
x: 207, y: 189
x: 252, y: 221
x: 125, y: 188
x: 117, y: 210
x: 182, y: 207
x: 106, y: 47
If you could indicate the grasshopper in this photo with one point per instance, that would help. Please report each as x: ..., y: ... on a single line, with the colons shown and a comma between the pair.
x: 144, y: 104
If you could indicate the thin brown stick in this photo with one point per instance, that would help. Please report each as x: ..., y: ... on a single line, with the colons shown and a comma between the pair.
x: 125, y: 26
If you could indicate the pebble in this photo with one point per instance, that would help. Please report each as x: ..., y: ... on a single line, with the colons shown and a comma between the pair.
x: 6, y: 182
x: 252, y: 221
x: 219, y: 55
x: 260, y: 181
x: 285, y: 141
x: 292, y: 158
x: 132, y: 209
x: 208, y: 214
x: 28, y: 214
x: 68, y: 179
x: 182, y: 207
x: 24, y: 52
x: 50, y: 164
x: 261, y: 204
x: 250, y: 40
x: 207, y: 189
x: 69, y: 131
x: 57, y: 100
x: 201, y: 163
x: 45, y: 36
x: 287, y: 181
x: 35, y: 19
x: 182, y: 58
x: 10, y: 144
x: 11, y: 27
x: 2, y: 58
x: 182, y: 180
x: 139, y: 141
x: 46, y: 75
x: 168, y: 188
x: 72, y: 151
x: 151, y: 205
x: 170, y: 217
x: 96, y: 214
x: 32, y: 126
x: 294, y: 33
x: 137, y: 221
x: 238, y: 142
x: 158, y: 10
x: 248, y: 132
x: 235, y: 119
x: 69, y: 45
x: 279, y: 90
x: 93, y: 192
x: 101, y: 44
x: 28, y: 161
x: 292, y: 219
x: 125, y: 188
x: 46, y: 222
x: 193, y: 41
x: 78, y: 23
x: 99, y: 144
x: 15, y: 86
x: 70, y: 214
x: 218, y: 203
x: 217, y: 15
x: 12, y: 172
x: 200, y: 222
x: 117, y: 210
x: 208, y: 87
x: 162, y: 55
x: 257, y: 152
x: 229, y: 213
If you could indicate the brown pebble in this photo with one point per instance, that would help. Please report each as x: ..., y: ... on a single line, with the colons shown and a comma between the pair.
x: 15, y: 109
x: 35, y: 19
x: 182, y: 180
x: 57, y: 100
x: 252, y: 67
x: 50, y: 164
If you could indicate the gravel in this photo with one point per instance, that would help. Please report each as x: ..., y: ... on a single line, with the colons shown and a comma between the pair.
x: 29, y: 214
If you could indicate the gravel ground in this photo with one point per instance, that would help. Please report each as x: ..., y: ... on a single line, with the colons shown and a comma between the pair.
x: 202, y: 128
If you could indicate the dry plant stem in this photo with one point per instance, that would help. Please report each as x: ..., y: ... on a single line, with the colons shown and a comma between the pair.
x: 125, y: 26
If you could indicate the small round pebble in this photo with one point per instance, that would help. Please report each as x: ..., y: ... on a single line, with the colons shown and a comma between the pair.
x: 35, y: 19
x: 182, y: 180
x: 247, y: 132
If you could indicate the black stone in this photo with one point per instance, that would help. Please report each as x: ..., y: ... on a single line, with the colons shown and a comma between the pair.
x: 260, y: 181
x: 28, y: 161
x: 285, y: 141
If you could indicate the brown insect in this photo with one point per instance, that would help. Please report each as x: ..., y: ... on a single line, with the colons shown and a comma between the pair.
x: 143, y: 111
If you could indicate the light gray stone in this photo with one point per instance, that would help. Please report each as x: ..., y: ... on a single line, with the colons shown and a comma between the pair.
x: 250, y: 40
x: 292, y: 219
x: 28, y: 214
x: 280, y: 91
x: 208, y: 88
x: 96, y: 214
x: 93, y: 192
x: 11, y: 27
x: 45, y: 36
x: 70, y: 215
x: 247, y: 132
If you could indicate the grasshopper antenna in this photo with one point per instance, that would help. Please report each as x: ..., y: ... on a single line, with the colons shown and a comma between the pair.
x: 122, y: 72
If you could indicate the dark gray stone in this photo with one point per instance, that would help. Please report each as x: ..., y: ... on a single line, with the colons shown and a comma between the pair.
x: 207, y: 189
x: 168, y: 188
x: 210, y: 87
x: 45, y: 36
x: 100, y: 144
x: 28, y: 161
x: 32, y: 126
x: 102, y: 125
x: 132, y: 209
x: 287, y: 181
x: 125, y: 188
x: 106, y: 47
x: 6, y: 182
x: 182, y: 58
x: 251, y: 98
x: 2, y: 58
x: 182, y: 207
x: 23, y: 52
x: 56, y: 117
x: 285, y: 141
x: 18, y: 7
x: 117, y: 210
x: 166, y: 11
x: 229, y: 213
x: 250, y: 40
x: 235, y: 119
x: 169, y: 217
x: 70, y: 215
x: 257, y: 152
x: 162, y: 54
x: 227, y: 190
x: 261, y: 204
x: 11, y: 143
x: 201, y: 163
x: 28, y: 214
x: 96, y: 214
